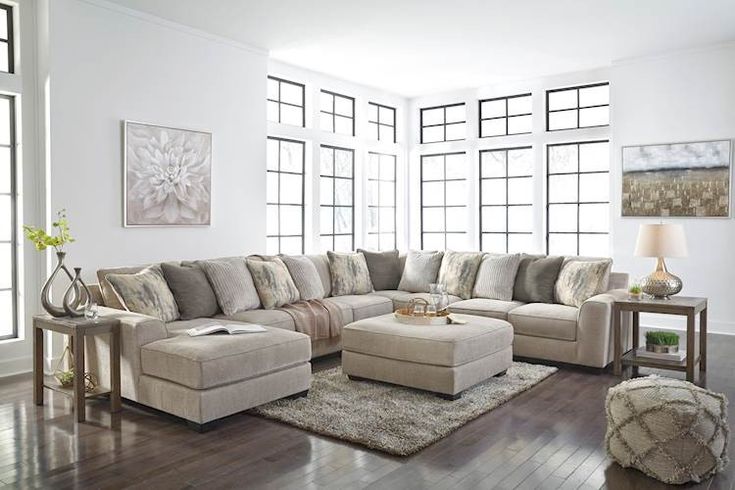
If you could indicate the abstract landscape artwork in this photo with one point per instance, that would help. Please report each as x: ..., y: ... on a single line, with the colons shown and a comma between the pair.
x: 168, y: 176
x: 677, y: 180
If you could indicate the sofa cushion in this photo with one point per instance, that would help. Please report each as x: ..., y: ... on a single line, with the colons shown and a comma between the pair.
x: 191, y: 289
x: 349, y: 273
x: 496, y: 276
x: 145, y: 292
x: 273, y: 282
x: 364, y: 305
x: 232, y: 284
x: 108, y: 294
x: 580, y: 280
x: 385, y: 268
x: 536, y: 278
x: 215, y: 360
x: 272, y: 318
x: 545, y: 320
x: 401, y: 298
x: 421, y: 269
x: 492, y: 308
x: 458, y: 272
x: 305, y: 276
x: 321, y: 262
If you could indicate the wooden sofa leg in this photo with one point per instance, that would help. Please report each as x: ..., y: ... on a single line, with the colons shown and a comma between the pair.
x: 295, y: 396
x: 449, y: 397
x: 501, y: 373
x: 201, y: 428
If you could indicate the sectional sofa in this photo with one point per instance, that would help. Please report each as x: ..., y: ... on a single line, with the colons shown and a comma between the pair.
x: 202, y: 379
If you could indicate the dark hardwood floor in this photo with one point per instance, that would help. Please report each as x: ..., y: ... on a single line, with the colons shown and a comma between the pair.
x: 551, y: 436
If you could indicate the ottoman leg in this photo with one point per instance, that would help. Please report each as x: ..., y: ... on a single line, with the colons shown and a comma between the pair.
x: 501, y: 373
x: 356, y: 378
x: 449, y: 397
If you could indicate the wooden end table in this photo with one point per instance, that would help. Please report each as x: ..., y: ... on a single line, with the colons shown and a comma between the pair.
x: 77, y: 329
x: 677, y: 305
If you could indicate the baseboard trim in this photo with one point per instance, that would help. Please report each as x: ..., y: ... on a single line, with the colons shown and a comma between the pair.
x: 22, y: 365
x: 671, y: 322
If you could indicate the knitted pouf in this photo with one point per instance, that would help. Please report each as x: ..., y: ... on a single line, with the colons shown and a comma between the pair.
x: 669, y: 429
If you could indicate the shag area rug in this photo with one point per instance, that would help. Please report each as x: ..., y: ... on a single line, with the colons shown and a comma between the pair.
x: 394, y: 419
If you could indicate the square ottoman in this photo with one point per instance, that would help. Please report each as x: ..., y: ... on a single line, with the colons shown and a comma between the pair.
x: 444, y: 359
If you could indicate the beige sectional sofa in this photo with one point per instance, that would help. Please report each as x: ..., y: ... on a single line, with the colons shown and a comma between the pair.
x: 202, y: 379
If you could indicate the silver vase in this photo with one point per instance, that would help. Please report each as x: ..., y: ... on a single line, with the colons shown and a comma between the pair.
x: 77, y: 295
x: 46, y: 300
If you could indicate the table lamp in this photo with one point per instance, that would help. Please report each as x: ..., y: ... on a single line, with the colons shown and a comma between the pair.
x: 661, y: 240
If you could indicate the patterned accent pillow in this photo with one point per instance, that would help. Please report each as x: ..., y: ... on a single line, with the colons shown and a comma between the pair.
x: 420, y: 270
x: 580, y: 280
x: 496, y: 276
x: 232, y: 284
x: 145, y: 292
x: 305, y: 275
x: 350, y: 274
x: 273, y: 282
x: 458, y: 272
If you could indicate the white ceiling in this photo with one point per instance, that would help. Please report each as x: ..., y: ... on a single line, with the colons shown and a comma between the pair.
x: 415, y: 47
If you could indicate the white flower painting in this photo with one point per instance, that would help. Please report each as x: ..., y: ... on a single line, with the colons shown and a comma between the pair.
x: 168, y: 176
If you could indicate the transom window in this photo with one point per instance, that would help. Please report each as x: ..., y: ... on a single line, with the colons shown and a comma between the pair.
x: 8, y: 219
x: 285, y: 196
x: 584, y: 106
x: 504, y: 116
x: 443, y: 123
x: 382, y: 122
x: 506, y: 200
x: 578, y: 198
x: 381, y: 201
x: 337, y: 198
x: 337, y: 113
x: 286, y: 102
x: 444, y: 201
x: 7, y: 62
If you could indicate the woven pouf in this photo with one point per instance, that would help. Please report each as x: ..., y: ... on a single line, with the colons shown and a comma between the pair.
x: 669, y: 429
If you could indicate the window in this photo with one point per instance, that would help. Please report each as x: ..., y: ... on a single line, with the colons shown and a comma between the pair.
x: 506, y: 200
x: 443, y: 123
x: 336, y: 196
x: 443, y: 201
x: 8, y: 218
x: 382, y: 122
x: 285, y: 196
x: 286, y: 102
x: 585, y: 106
x: 505, y: 115
x: 381, y: 201
x: 578, y: 196
x: 337, y: 113
x: 7, y: 50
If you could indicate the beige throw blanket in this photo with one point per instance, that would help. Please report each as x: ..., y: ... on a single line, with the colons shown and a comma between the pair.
x: 316, y: 318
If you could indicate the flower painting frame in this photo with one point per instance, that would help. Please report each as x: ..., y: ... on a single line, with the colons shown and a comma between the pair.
x: 167, y: 176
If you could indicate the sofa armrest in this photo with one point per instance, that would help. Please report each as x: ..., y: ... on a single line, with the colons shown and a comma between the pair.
x: 136, y: 329
x: 594, y: 329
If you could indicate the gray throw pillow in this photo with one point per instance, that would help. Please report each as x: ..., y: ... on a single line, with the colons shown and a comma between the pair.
x: 458, y: 271
x: 273, y: 282
x: 384, y: 267
x: 421, y: 269
x: 350, y: 274
x: 536, y: 278
x: 580, y: 280
x: 232, y: 284
x: 145, y: 292
x: 192, y: 291
x: 496, y: 276
x: 305, y: 276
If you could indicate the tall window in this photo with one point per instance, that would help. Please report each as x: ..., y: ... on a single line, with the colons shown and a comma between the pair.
x: 584, y: 106
x: 578, y: 194
x: 505, y: 115
x: 443, y: 123
x: 286, y: 102
x: 337, y: 113
x: 506, y: 200
x: 382, y: 122
x: 443, y: 201
x: 285, y: 196
x: 8, y: 214
x: 7, y: 63
x: 336, y: 196
x: 381, y: 201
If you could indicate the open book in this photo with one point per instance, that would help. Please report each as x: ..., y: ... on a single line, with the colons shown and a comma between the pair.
x: 231, y: 328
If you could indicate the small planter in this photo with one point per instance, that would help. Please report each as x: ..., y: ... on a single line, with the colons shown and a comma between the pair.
x: 662, y: 349
x: 634, y: 296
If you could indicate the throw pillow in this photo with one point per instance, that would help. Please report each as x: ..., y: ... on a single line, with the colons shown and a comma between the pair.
x: 384, y: 267
x: 192, y: 291
x: 145, y: 292
x: 305, y: 276
x: 458, y: 271
x: 273, y: 282
x: 421, y: 269
x: 232, y: 284
x: 580, y: 280
x: 536, y: 278
x: 350, y: 274
x: 496, y: 276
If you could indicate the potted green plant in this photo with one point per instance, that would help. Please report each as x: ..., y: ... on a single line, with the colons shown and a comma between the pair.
x: 634, y: 292
x: 662, y: 342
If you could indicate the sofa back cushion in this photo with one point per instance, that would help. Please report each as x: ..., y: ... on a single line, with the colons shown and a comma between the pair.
x: 273, y: 282
x: 384, y: 267
x: 305, y: 276
x: 321, y: 262
x: 579, y: 280
x: 232, y: 284
x: 145, y: 292
x: 536, y: 278
x: 421, y: 269
x: 350, y: 274
x: 458, y: 271
x: 191, y: 289
x: 108, y: 293
x: 496, y: 276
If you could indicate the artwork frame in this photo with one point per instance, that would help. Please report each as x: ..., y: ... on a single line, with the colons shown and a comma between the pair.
x: 691, y: 179
x: 147, y: 205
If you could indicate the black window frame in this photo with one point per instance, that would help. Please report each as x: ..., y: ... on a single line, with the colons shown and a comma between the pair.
x: 578, y: 203
x: 334, y: 206
x: 13, y: 242
x: 334, y: 112
x: 443, y: 124
x: 279, y: 204
x: 507, y: 116
x: 378, y: 123
x: 507, y: 205
x: 577, y: 108
x: 10, y: 41
x: 394, y: 182
x: 444, y: 231
x: 280, y: 103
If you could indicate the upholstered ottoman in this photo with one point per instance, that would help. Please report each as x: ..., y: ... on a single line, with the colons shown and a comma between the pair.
x: 445, y: 359
x: 669, y: 429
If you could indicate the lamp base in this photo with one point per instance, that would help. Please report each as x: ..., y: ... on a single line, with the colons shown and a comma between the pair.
x: 661, y: 284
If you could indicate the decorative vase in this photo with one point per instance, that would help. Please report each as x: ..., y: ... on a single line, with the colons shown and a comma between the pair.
x: 77, y: 295
x: 46, y: 301
x: 662, y: 349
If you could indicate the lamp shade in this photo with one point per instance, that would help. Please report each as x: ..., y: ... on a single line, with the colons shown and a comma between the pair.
x: 661, y: 240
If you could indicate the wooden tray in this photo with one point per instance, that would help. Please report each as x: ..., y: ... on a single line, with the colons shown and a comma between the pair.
x: 421, y: 320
